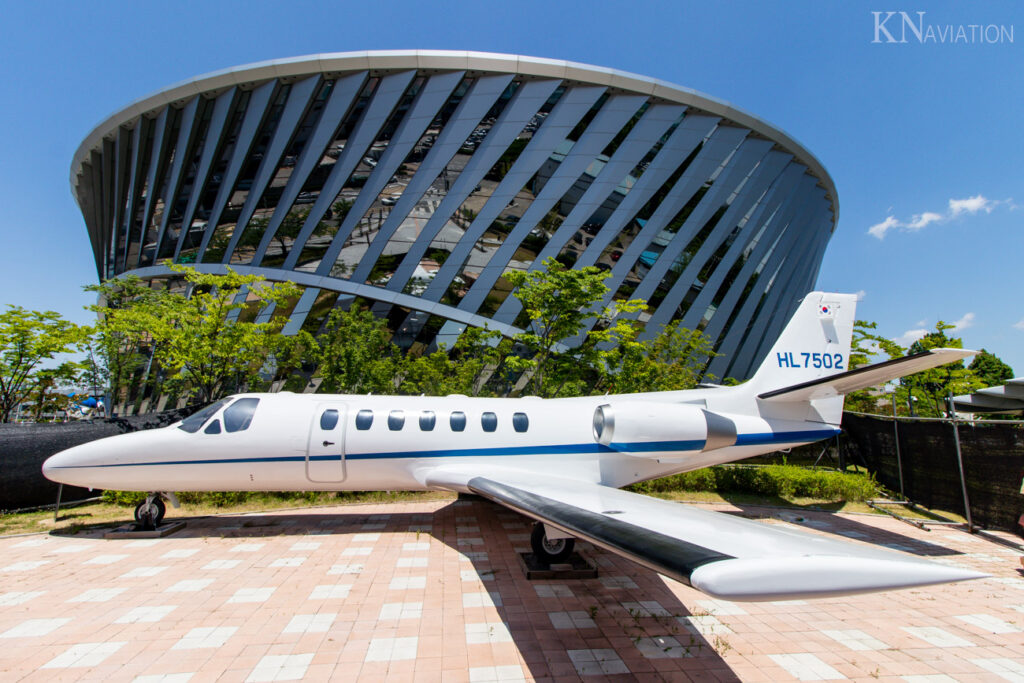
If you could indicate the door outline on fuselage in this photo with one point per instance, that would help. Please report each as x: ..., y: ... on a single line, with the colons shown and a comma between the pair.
x: 325, y: 449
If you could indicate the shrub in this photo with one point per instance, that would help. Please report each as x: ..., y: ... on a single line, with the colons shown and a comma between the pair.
x: 783, y: 481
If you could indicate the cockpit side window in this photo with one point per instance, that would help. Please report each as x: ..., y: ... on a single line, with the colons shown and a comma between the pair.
x: 238, y: 415
x: 212, y: 428
x: 194, y: 422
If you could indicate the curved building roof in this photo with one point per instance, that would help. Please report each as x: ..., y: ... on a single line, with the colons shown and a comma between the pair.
x: 417, y: 180
x: 250, y: 75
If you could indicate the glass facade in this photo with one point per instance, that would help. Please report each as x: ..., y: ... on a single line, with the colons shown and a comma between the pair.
x: 413, y: 183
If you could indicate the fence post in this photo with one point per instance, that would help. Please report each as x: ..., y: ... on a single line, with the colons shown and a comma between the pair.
x: 960, y: 463
x: 896, y: 436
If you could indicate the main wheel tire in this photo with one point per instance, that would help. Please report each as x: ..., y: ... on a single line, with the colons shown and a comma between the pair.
x: 549, y: 550
x: 159, y: 506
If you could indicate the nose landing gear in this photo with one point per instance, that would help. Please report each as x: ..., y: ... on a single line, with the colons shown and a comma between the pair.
x: 150, y: 512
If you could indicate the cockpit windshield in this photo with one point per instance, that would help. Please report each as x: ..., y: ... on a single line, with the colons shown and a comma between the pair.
x: 238, y: 416
x: 194, y: 422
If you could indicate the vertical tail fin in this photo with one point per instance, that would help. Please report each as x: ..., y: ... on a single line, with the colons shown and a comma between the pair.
x: 814, y: 344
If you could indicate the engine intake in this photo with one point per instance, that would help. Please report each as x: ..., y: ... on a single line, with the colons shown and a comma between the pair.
x: 648, y: 428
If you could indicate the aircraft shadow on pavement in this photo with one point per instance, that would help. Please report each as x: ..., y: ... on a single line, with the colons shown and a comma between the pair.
x: 846, y: 528
x: 626, y: 621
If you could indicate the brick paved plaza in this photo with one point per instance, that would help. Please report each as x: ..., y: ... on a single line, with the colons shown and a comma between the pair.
x: 433, y: 591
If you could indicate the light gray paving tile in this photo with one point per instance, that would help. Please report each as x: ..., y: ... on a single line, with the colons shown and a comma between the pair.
x: 34, y: 627
x: 98, y: 595
x: 599, y: 662
x: 855, y: 639
x: 311, y: 623
x: 145, y: 615
x: 401, y: 610
x: 988, y: 623
x: 402, y: 583
x: 280, y: 668
x: 391, y: 649
x: 83, y: 655
x: 12, y: 598
x: 511, y: 673
x: 660, y: 647
x: 806, y: 667
x: 1004, y: 667
x: 330, y: 592
x: 937, y: 637
x: 204, y: 637
x: 252, y: 595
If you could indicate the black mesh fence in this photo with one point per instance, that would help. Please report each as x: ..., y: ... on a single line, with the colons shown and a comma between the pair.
x: 24, y: 447
x: 993, y: 457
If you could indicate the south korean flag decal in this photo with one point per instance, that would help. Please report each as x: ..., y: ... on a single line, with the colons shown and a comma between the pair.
x: 827, y: 311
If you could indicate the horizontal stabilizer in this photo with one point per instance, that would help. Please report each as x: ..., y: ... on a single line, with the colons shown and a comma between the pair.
x: 868, y: 376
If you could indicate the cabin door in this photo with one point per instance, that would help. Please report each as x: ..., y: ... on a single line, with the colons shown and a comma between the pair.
x: 325, y: 450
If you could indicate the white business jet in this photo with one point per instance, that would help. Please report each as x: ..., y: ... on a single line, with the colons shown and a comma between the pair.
x: 559, y: 461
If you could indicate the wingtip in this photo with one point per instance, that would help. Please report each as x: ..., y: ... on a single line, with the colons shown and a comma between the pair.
x: 798, y: 578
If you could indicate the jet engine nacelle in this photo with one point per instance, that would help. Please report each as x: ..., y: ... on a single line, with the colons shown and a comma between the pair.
x: 651, y: 429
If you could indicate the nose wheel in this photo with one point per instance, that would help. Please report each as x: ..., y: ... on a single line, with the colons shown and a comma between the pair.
x: 550, y: 550
x: 150, y: 512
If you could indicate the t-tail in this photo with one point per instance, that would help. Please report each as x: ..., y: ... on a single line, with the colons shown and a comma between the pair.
x: 809, y: 363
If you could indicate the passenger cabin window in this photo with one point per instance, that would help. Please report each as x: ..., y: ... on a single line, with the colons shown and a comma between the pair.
x: 329, y: 419
x: 212, y: 428
x: 489, y: 421
x: 194, y: 422
x: 520, y: 422
x: 364, y: 418
x: 427, y: 420
x: 396, y: 420
x: 458, y: 421
x: 238, y: 415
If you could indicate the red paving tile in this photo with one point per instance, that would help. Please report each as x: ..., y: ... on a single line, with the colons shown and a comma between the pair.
x: 305, y: 562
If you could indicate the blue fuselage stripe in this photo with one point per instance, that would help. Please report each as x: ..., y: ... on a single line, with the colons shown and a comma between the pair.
x: 760, y: 439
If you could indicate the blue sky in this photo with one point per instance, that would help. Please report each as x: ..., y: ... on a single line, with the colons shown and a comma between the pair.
x: 923, y: 139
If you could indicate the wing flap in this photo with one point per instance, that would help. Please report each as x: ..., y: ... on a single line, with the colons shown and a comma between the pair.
x: 867, y: 376
x: 722, y: 555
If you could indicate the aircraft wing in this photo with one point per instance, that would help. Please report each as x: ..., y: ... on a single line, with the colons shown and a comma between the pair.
x: 719, y: 554
x: 867, y: 376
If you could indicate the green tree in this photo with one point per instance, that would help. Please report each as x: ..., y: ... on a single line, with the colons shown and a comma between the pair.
x: 117, y: 346
x: 990, y: 370
x: 475, y: 366
x: 209, y: 342
x: 27, y: 340
x: 558, y: 302
x: 50, y: 394
x: 931, y: 387
x: 673, y: 360
x: 355, y: 355
x: 867, y: 343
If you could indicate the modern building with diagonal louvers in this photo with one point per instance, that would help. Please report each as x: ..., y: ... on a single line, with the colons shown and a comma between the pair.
x: 414, y: 181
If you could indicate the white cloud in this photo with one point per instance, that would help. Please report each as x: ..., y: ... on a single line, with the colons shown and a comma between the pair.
x: 971, y: 205
x: 860, y: 295
x: 957, y: 208
x: 923, y: 220
x: 879, y: 229
x: 910, y: 336
x: 964, y: 322
x: 1020, y: 325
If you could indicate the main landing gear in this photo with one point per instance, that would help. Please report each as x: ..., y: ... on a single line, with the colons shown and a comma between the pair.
x: 550, y: 550
x: 150, y: 512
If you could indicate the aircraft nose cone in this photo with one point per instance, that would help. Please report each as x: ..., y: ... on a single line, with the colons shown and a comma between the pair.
x: 57, y: 466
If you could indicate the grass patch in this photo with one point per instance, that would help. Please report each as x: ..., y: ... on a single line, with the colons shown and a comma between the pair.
x: 105, y: 514
x: 785, y: 482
